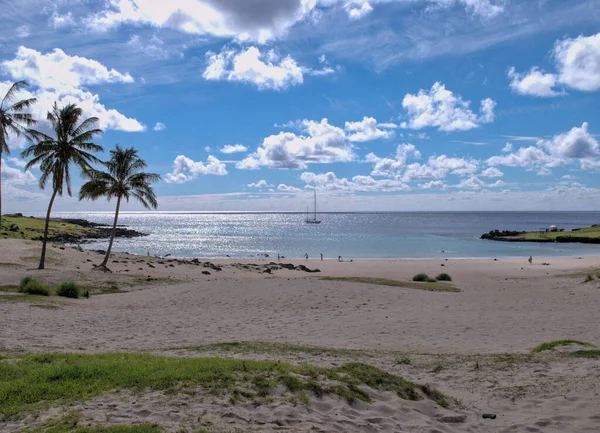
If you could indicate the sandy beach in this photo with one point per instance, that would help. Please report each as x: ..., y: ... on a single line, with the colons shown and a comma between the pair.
x: 472, y: 344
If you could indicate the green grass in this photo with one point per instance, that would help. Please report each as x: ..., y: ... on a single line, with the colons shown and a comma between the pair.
x: 31, y: 286
x: 552, y: 344
x: 589, y: 232
x: 69, y: 423
x: 69, y: 290
x: 36, y: 381
x: 274, y: 349
x: 443, y: 277
x: 33, y: 228
x: 433, y: 286
x: 31, y: 299
x: 593, y: 354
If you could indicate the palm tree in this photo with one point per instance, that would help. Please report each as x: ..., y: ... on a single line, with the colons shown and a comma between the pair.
x: 13, y: 121
x: 72, y: 145
x: 123, y: 180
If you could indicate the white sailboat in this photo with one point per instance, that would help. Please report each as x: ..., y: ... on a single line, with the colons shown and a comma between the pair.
x: 313, y: 219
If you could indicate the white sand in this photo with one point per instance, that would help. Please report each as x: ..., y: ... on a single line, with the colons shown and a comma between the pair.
x: 505, y: 306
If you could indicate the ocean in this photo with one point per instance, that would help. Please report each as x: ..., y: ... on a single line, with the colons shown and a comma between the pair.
x: 390, y: 235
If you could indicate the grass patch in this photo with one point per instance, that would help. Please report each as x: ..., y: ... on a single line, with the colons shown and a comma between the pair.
x: 421, y: 278
x: 429, y: 285
x: 552, y: 344
x: 593, y: 354
x: 70, y: 424
x: 31, y: 286
x: 33, y: 228
x: 35, y: 381
x: 9, y: 288
x: 24, y: 298
x: 443, y: 277
x: 588, y: 278
x: 69, y: 290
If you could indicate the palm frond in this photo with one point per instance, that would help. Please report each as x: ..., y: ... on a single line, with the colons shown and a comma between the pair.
x: 21, y: 105
x: 16, y: 87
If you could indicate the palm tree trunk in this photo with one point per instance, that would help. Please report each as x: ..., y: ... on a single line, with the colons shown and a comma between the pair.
x: 43, y: 258
x: 112, y: 235
x: 0, y: 187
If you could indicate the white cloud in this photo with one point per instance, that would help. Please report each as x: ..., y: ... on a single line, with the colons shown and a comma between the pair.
x: 368, y: 129
x: 61, y: 78
x: 58, y: 71
x: 61, y: 21
x: 330, y: 182
x: 357, y: 9
x: 526, y: 157
x: 15, y: 176
x: 286, y: 188
x: 534, y: 83
x: 159, y: 126
x: 434, y: 184
x: 185, y: 169
x: 578, y: 62
x: 442, y: 109
x: 438, y: 167
x: 497, y: 184
x: 258, y: 20
x: 260, y: 184
x: 507, y: 148
x: 266, y: 71
x: 389, y: 167
x: 321, y: 143
x: 154, y: 47
x: 492, y: 172
x: 22, y: 31
x: 235, y: 148
x: 472, y: 182
x: 578, y: 143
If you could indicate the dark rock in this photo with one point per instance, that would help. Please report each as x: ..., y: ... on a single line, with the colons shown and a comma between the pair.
x: 453, y: 419
x: 489, y: 416
x: 13, y: 228
x: 151, y: 266
x: 14, y: 215
x: 205, y: 273
x: 212, y: 266
x: 305, y: 269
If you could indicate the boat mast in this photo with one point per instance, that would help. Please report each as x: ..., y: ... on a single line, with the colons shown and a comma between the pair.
x: 315, y: 191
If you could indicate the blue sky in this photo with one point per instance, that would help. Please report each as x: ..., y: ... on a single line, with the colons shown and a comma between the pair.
x: 378, y: 104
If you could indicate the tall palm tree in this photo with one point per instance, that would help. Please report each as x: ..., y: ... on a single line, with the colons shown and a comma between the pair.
x: 13, y: 121
x: 123, y: 180
x: 71, y: 146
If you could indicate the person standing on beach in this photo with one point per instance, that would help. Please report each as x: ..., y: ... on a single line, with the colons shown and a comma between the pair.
x: 306, y: 256
x: 321, y: 256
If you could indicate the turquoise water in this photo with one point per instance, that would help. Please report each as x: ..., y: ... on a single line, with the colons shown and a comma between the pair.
x: 351, y: 235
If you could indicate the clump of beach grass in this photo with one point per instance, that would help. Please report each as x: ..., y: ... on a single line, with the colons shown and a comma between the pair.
x: 49, y: 380
x: 588, y: 278
x: 557, y: 343
x: 592, y: 354
x: 70, y: 422
x: 69, y: 289
x: 430, y: 284
x: 443, y: 277
x: 32, y: 286
x: 421, y: 278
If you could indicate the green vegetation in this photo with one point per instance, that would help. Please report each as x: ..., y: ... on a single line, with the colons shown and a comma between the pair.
x: 69, y: 290
x: 421, y: 278
x: 70, y: 424
x: 443, y: 277
x: 582, y: 235
x: 31, y: 286
x: 33, y: 228
x: 429, y: 284
x: 593, y: 354
x: 588, y: 278
x: 552, y: 344
x: 34, y: 381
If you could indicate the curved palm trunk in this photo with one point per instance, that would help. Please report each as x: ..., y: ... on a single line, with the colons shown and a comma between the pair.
x: 0, y: 188
x: 43, y: 258
x: 112, y: 235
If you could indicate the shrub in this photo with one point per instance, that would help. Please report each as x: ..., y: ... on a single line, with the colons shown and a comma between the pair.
x: 69, y: 290
x: 443, y: 277
x: 421, y: 277
x: 588, y: 278
x: 32, y: 286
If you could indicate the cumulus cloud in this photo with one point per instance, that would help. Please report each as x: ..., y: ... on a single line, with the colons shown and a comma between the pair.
x: 438, y: 167
x: 330, y: 182
x: 15, y: 176
x: 577, y: 145
x: 319, y: 143
x: 534, y: 83
x: 235, y: 148
x: 159, y: 126
x: 357, y: 9
x: 266, y: 71
x: 57, y: 76
x: 434, y: 184
x: 57, y: 70
x: 286, y: 188
x: 492, y: 172
x: 578, y: 62
x: 185, y: 169
x: 442, y: 109
x: 260, y: 184
x: 389, y: 167
x: 368, y: 129
x: 22, y: 31
x: 577, y: 67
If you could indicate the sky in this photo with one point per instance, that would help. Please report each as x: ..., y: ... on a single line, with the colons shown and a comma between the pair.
x: 379, y: 105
